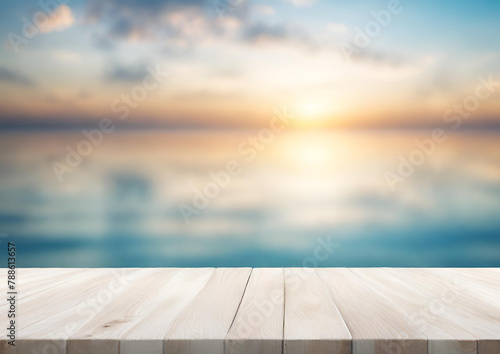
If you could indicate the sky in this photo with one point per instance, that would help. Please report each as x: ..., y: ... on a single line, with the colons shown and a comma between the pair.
x: 229, y: 63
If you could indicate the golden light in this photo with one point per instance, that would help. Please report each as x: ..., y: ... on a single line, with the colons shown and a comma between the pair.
x: 313, y: 111
x: 311, y: 150
x: 313, y: 155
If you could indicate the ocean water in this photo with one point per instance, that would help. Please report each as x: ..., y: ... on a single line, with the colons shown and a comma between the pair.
x: 295, y: 199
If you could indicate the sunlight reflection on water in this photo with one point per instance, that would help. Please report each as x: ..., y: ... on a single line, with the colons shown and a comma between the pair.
x: 120, y: 206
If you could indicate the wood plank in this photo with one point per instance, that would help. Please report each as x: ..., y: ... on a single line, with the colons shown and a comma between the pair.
x: 258, y: 325
x: 202, y: 327
x: 481, y: 282
x: 270, y: 311
x: 87, y: 294
x: 445, y: 332
x: 62, y: 287
x: 484, y: 315
x: 313, y: 323
x: 65, y: 309
x: 481, y: 317
x: 138, y: 303
x: 488, y: 347
x: 31, y: 281
x: 377, y: 324
x: 452, y: 347
x: 152, y: 329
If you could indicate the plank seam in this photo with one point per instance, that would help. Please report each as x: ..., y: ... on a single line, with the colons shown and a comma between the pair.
x: 396, y: 305
x: 236, y: 313
x: 241, y: 300
x: 183, y: 311
x: 334, y: 305
x: 134, y: 276
x: 284, y: 313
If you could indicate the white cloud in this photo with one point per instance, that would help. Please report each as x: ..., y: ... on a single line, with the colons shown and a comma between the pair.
x: 336, y: 27
x: 65, y: 55
x: 59, y: 20
x: 267, y: 10
x: 302, y: 3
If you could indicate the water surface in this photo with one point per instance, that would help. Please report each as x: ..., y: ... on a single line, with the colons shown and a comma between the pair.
x: 120, y: 206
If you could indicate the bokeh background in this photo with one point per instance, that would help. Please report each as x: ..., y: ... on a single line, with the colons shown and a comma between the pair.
x: 326, y: 178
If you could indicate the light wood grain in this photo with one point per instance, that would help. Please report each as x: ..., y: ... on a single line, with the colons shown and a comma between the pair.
x: 32, y: 281
x: 140, y: 300
x: 481, y: 283
x: 65, y: 308
x: 376, y: 323
x: 258, y: 325
x: 202, y: 327
x: 176, y: 297
x: 445, y: 333
x: 244, y: 311
x: 313, y: 323
x: 454, y: 296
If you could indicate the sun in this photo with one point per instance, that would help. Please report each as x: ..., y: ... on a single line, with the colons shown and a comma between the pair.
x: 314, y: 111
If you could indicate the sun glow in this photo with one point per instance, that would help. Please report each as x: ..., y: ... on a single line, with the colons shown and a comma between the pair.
x: 312, y: 151
x: 313, y: 111
x: 313, y: 155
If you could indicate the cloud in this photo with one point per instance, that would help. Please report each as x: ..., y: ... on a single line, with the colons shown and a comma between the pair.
x: 185, y: 24
x: 336, y: 27
x: 380, y: 58
x: 261, y: 33
x: 265, y: 9
x: 97, y: 8
x: 65, y: 55
x: 131, y: 74
x: 302, y: 3
x: 179, y: 22
x: 13, y: 77
x: 59, y: 20
x: 126, y: 28
x: 102, y: 42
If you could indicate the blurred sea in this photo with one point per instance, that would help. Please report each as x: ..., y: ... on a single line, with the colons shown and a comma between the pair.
x: 120, y: 207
